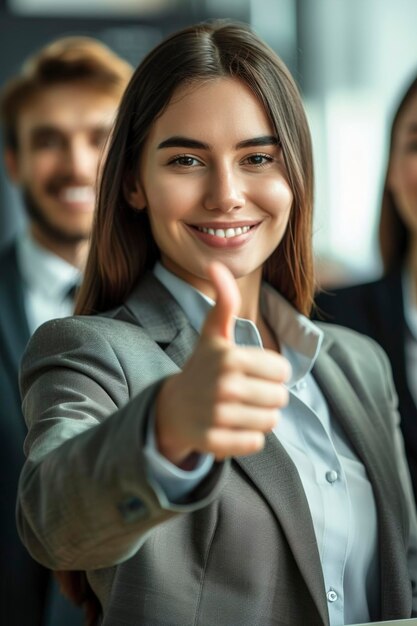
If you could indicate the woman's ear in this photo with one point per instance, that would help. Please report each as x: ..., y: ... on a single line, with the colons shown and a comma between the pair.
x: 133, y: 192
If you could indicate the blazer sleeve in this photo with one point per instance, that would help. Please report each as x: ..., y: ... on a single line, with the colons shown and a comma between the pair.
x: 85, y: 500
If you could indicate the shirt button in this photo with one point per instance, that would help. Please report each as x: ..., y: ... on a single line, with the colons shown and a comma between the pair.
x: 332, y: 476
x: 331, y: 595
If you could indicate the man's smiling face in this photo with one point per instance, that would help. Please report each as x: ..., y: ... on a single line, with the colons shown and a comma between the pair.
x: 60, y: 137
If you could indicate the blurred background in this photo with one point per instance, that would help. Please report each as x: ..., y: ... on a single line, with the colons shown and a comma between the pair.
x: 350, y: 58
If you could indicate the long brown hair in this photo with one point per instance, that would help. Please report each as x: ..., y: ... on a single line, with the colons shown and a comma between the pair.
x: 122, y: 245
x: 393, y: 232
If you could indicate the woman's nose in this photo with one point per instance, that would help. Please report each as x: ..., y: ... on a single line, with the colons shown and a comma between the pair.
x: 225, y: 191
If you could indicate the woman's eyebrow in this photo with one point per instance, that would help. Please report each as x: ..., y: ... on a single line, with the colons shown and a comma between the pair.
x: 183, y: 142
x: 187, y: 142
x: 265, y: 140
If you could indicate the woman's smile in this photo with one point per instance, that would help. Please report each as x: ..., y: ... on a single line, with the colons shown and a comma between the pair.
x: 220, y: 235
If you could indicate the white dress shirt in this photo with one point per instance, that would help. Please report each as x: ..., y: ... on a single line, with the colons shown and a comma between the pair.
x: 47, y: 279
x: 338, y: 491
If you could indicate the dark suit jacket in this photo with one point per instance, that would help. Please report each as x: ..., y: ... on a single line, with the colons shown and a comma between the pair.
x: 25, y: 586
x: 376, y: 309
x: 241, y: 551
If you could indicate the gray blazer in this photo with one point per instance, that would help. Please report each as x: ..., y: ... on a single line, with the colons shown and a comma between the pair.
x: 241, y: 550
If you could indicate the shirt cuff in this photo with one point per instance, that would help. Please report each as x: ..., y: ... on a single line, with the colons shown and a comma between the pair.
x: 176, y: 483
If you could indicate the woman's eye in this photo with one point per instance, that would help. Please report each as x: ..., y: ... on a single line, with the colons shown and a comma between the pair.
x: 185, y: 161
x: 259, y: 159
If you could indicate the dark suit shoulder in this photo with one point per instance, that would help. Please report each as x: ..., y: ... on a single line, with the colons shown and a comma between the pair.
x: 8, y: 251
x: 336, y: 298
x: 368, y: 308
x: 10, y: 279
x: 14, y: 329
x: 9, y: 269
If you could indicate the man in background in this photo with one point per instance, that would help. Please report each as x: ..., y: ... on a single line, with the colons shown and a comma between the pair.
x: 56, y: 116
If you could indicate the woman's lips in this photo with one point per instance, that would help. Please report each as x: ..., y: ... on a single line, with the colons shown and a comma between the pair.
x: 225, y: 235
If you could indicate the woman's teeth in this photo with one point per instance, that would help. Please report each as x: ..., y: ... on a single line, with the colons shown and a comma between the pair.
x: 226, y: 233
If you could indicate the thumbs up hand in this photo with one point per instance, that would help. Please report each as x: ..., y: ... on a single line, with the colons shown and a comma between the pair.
x: 220, y: 321
x: 227, y: 397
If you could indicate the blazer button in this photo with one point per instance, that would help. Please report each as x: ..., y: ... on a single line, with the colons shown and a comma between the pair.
x: 132, y: 509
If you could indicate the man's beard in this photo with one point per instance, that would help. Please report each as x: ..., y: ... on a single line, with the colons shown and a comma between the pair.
x: 56, y: 233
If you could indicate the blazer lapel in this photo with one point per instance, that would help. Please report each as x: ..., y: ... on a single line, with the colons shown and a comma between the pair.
x: 276, y: 477
x: 162, y: 317
x: 365, y: 436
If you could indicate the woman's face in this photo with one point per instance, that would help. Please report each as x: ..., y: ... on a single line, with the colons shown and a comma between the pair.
x: 402, y: 178
x: 213, y: 180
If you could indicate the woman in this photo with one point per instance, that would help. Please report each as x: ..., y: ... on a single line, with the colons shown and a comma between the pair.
x: 156, y: 460
x: 386, y: 309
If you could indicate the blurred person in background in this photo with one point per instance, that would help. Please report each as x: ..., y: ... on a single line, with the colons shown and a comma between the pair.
x: 386, y: 309
x: 56, y: 116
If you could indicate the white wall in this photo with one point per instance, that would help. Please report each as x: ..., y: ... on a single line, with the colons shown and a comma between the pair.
x: 356, y: 58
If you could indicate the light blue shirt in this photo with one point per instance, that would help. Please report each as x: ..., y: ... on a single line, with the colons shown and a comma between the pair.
x: 338, y: 491
x: 47, y: 279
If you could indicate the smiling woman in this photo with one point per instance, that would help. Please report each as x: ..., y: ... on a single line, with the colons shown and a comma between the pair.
x: 288, y: 145
x: 158, y: 466
x: 201, y: 182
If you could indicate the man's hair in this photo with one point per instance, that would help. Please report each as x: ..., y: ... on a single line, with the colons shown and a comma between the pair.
x: 80, y: 60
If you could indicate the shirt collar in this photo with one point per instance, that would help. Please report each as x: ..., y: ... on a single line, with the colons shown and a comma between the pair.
x: 44, y: 271
x: 300, y: 338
